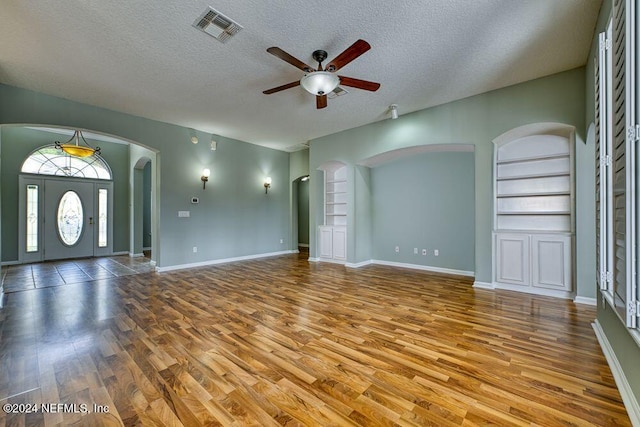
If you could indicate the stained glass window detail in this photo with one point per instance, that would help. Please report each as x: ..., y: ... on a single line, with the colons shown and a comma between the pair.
x: 102, y: 217
x: 70, y: 218
x: 49, y: 160
x: 32, y: 218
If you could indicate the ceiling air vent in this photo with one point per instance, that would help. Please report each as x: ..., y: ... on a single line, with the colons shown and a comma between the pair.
x: 338, y: 91
x: 217, y: 25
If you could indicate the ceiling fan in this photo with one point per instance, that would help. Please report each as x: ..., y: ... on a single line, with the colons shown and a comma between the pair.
x: 321, y: 82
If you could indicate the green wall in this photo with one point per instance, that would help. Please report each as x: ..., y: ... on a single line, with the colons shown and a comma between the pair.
x: 425, y: 201
x: 230, y: 219
x: 303, y: 212
x: 17, y: 144
x: 146, y: 206
x: 476, y: 120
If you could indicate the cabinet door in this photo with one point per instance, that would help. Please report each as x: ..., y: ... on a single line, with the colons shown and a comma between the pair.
x: 512, y: 260
x: 326, y: 242
x: 340, y: 243
x: 551, y: 261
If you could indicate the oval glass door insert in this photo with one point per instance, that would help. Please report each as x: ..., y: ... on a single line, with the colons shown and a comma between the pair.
x: 70, y: 218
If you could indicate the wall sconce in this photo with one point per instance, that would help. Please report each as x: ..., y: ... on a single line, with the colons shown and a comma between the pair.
x: 394, y: 111
x: 267, y: 184
x: 194, y: 138
x: 205, y: 177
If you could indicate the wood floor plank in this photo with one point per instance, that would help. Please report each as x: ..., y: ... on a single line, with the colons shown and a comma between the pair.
x: 280, y: 341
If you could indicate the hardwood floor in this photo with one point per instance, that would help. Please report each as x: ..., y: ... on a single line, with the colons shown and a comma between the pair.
x: 284, y: 342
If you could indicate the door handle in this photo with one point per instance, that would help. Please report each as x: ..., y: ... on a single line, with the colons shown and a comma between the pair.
x: 90, y: 220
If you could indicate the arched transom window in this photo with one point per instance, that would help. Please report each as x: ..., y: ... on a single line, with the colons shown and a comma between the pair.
x: 49, y: 160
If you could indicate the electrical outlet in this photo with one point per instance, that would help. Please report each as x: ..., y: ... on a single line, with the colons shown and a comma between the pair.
x: 397, y: 249
x: 436, y: 252
x: 195, y: 249
x: 415, y: 251
x: 424, y: 252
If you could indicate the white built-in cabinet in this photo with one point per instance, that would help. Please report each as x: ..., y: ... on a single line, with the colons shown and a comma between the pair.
x: 333, y: 233
x: 534, y: 214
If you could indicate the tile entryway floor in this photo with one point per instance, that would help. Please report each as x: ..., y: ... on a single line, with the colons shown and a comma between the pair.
x: 56, y: 273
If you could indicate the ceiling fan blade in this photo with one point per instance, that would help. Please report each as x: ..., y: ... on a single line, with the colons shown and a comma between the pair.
x: 283, y: 87
x: 349, y: 54
x: 276, y: 51
x: 321, y: 101
x: 359, y: 84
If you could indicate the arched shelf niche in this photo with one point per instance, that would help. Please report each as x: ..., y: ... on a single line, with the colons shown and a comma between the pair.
x: 534, y: 204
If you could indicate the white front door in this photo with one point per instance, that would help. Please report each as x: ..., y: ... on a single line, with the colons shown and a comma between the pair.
x: 64, y: 218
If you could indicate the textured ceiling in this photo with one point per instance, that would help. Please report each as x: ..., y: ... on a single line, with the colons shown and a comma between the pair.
x: 145, y: 58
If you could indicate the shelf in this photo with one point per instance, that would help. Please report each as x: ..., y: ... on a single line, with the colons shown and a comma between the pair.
x: 336, y: 181
x: 532, y: 231
x: 533, y: 159
x: 535, y: 213
x: 336, y: 214
x: 536, y: 175
x: 538, y: 194
x: 336, y: 192
x: 336, y: 203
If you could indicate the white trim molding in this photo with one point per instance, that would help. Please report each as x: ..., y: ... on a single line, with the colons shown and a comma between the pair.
x: 585, y: 300
x: 220, y: 261
x: 313, y: 259
x: 483, y: 285
x: 358, y: 264
x: 626, y: 392
x: 423, y: 267
x: 132, y: 255
x: 533, y: 290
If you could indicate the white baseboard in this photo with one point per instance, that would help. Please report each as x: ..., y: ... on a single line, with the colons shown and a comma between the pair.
x: 332, y: 261
x: 626, y: 392
x: 303, y: 245
x: 220, y: 261
x: 585, y: 300
x: 483, y: 285
x: 120, y: 253
x: 314, y: 259
x: 534, y: 290
x: 424, y: 267
x: 358, y: 264
x: 136, y: 255
x: 146, y: 248
x: 11, y: 262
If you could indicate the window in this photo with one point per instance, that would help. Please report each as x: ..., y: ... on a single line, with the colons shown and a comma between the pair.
x: 102, y: 217
x: 32, y: 218
x: 70, y: 218
x: 49, y: 160
x: 617, y: 133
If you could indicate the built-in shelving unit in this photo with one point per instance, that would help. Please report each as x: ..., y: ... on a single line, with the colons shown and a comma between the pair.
x: 534, y: 213
x: 333, y: 234
x: 335, y: 199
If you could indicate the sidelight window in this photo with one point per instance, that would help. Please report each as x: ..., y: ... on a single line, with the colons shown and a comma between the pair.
x: 102, y: 217
x: 32, y: 218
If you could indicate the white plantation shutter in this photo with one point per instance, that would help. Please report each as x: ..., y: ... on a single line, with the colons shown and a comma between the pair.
x: 603, y: 162
x: 616, y: 136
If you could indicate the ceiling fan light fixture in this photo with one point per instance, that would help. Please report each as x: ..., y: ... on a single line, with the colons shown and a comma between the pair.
x: 320, y: 82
